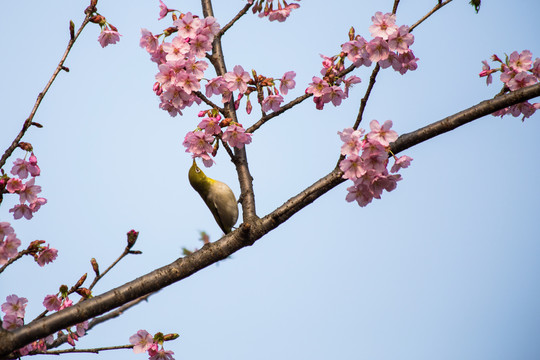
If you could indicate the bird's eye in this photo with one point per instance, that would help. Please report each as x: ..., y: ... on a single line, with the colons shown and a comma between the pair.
x: 197, y: 170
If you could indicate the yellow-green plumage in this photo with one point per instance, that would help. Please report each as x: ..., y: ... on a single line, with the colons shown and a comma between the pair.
x: 218, y: 197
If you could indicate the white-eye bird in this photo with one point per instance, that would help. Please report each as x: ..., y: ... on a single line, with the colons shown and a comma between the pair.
x: 218, y: 197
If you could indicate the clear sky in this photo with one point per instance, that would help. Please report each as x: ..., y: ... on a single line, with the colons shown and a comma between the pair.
x: 447, y: 266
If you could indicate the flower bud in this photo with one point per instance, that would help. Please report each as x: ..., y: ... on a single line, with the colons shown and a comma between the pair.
x: 225, y: 122
x: 84, y: 292
x: 25, y: 146
x: 170, y: 337
x: 98, y: 19
x: 95, y: 266
x: 80, y: 282
x: 132, y: 236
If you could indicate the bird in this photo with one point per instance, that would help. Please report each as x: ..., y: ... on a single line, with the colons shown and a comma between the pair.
x: 217, y: 195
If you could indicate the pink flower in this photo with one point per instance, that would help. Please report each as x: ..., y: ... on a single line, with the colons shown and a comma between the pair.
x: 12, y: 322
x: 148, y: 41
x: 377, y: 49
x: 383, y: 25
x: 382, y: 134
x: 404, y: 62
x: 197, y: 68
x: 272, y: 102
x: 20, y: 168
x: 283, y: 13
x: 187, y: 25
x: 163, y: 10
x: 401, y: 163
x: 237, y: 79
x: 33, y: 167
x: 30, y: 191
x: 520, y: 62
x: 47, y: 255
x: 236, y: 136
x: 215, y: 86
x: 108, y: 37
x: 198, y: 143
x: 352, y: 167
x: 333, y: 94
x: 14, y: 185
x: 10, y: 246
x: 162, y: 355
x: 188, y: 82
x: 81, y: 328
x: 352, y: 141
x: 36, y: 205
x: 52, y: 303
x: 210, y: 125
x: 200, y: 45
x: 486, y: 71
x: 521, y: 80
x: 361, y: 193
x: 21, y: 210
x: 177, y: 49
x: 5, y: 229
x: 400, y: 40
x: 66, y: 303
x: 536, y: 68
x: 287, y: 82
x: 317, y: 86
x: 353, y: 79
x: 142, y: 341
x: 15, y: 306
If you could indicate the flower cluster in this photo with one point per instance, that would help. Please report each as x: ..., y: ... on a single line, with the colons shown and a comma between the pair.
x: 517, y: 71
x: 280, y: 14
x: 9, y: 243
x: 14, y: 309
x: 366, y: 162
x: 179, y: 64
x: 144, y: 342
x: 199, y: 142
x: 28, y: 191
x: 389, y: 47
x: 61, y: 301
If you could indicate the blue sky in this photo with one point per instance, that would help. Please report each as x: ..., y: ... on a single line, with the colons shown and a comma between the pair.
x: 446, y: 266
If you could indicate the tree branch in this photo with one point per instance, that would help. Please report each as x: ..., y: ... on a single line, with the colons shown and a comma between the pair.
x: 245, y: 235
x: 247, y: 196
x: 431, y: 12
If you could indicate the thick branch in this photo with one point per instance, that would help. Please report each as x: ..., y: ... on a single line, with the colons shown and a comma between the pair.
x: 449, y: 123
x: 246, y: 235
x: 247, y: 197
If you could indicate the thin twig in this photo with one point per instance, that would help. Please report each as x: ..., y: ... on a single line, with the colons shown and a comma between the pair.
x: 59, y: 67
x: 238, y: 16
x: 281, y: 110
x: 98, y: 320
x: 364, y: 100
x: 209, y: 102
x: 100, y: 276
x: 73, y: 350
x: 437, y: 7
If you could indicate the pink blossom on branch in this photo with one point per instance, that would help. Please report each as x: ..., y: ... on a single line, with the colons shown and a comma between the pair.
x: 237, y: 79
x: 15, y: 305
x: 52, y: 303
x: 287, y: 82
x: 272, y: 102
x: 46, y: 256
x: 236, y: 136
x: 107, y: 37
x: 383, y: 25
x: 142, y: 341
